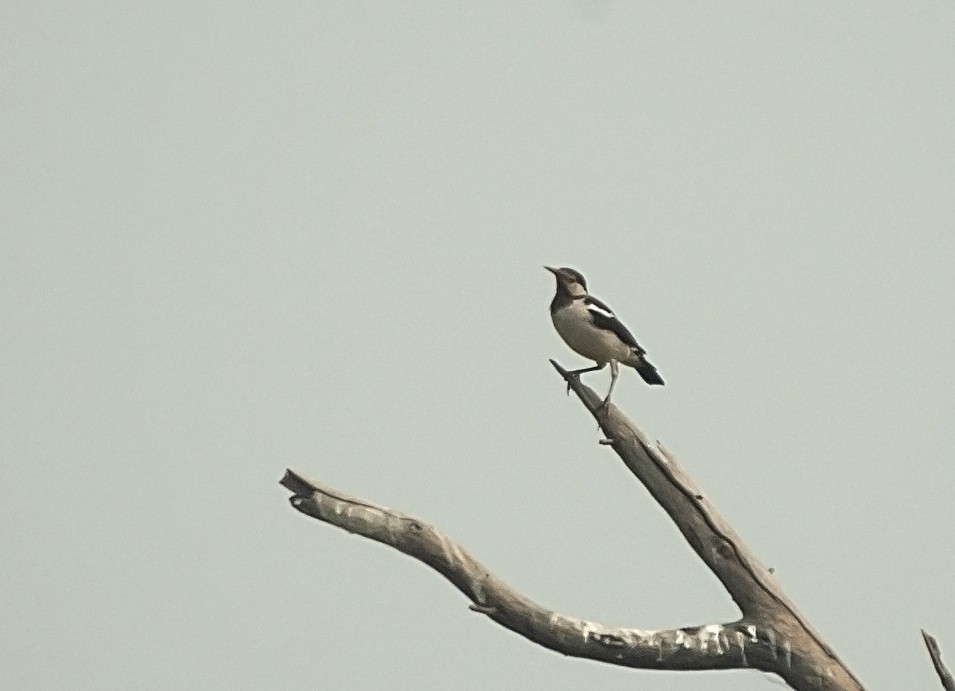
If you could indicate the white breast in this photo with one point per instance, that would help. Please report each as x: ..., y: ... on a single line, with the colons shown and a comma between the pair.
x: 574, y: 326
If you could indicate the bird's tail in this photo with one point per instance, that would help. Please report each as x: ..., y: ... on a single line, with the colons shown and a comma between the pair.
x: 648, y: 372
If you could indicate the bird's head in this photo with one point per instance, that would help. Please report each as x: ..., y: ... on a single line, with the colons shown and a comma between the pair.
x: 569, y: 281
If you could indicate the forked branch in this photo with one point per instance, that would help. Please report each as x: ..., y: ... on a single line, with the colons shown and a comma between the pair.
x: 770, y: 636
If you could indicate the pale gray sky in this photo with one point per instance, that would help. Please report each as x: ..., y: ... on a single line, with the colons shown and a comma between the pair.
x: 243, y: 236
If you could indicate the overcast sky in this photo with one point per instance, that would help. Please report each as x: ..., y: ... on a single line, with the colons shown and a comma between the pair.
x: 239, y: 237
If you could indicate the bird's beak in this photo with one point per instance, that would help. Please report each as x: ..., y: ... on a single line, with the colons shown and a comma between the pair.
x: 552, y: 270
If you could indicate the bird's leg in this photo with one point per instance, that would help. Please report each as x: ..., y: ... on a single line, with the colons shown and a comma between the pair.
x: 577, y: 372
x: 614, y: 372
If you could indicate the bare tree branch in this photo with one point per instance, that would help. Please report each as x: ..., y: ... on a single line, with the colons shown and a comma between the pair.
x: 749, y: 583
x: 715, y: 646
x: 771, y: 635
x: 948, y: 683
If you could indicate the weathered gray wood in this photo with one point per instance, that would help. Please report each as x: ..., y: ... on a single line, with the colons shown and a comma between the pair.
x: 715, y: 646
x: 771, y: 635
x: 948, y: 682
x: 813, y: 664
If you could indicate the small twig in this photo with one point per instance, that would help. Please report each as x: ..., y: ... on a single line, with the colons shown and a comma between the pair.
x: 948, y: 682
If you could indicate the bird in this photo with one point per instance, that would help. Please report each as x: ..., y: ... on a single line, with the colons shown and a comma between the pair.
x: 591, y: 329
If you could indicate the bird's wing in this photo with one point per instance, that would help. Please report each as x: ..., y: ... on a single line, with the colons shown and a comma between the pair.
x: 604, y: 318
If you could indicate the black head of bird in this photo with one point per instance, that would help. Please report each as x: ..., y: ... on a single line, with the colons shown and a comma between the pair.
x: 569, y: 281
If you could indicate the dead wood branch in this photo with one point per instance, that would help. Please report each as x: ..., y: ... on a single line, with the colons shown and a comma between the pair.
x: 771, y: 635
x: 948, y: 683
x: 717, y: 646
x: 764, y: 605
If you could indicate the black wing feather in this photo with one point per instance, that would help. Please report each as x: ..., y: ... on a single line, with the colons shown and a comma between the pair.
x: 604, y: 318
